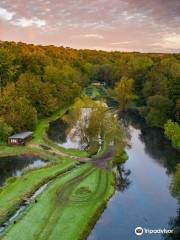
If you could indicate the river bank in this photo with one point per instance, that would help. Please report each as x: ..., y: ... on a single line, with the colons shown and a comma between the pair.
x: 144, y: 188
x: 91, y: 193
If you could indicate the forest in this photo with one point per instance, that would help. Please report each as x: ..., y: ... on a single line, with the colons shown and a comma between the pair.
x: 36, y: 81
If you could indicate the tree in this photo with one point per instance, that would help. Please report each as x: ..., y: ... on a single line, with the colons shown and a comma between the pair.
x: 177, y: 110
x: 20, y: 114
x: 157, y: 111
x: 5, y: 130
x: 7, y: 68
x: 175, y: 185
x: 124, y: 92
x: 172, y: 132
x: 40, y: 94
x: 94, y: 123
x: 156, y: 83
x: 67, y: 82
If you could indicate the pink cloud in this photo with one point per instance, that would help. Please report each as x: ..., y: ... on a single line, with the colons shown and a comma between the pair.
x: 104, y: 22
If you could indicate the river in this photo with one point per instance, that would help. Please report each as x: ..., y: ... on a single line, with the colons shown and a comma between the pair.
x: 144, y: 199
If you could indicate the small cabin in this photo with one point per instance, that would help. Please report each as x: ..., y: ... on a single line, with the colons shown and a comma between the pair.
x: 20, y: 138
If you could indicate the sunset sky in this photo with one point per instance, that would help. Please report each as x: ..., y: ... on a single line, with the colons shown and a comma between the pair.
x: 124, y: 25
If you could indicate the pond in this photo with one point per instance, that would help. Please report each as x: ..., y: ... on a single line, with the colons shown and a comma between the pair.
x: 13, y: 166
x: 57, y: 133
x: 60, y: 133
x: 144, y: 199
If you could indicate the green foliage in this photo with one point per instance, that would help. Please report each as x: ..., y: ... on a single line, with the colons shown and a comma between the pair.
x: 8, y: 68
x: 175, y: 185
x: 120, y: 157
x: 52, y: 77
x: 93, y: 123
x: 157, y: 111
x: 124, y: 92
x: 5, y: 130
x: 67, y: 83
x: 40, y: 94
x: 16, y: 110
x: 177, y: 110
x: 172, y: 131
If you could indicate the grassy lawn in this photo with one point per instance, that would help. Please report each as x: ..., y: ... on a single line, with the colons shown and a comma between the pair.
x: 17, y: 188
x: 40, y: 136
x: 72, y: 152
x: 67, y: 208
x: 43, y: 124
x: 71, y: 203
x: 12, y: 151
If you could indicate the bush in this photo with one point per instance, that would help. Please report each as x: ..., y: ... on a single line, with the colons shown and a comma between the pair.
x: 172, y: 132
x: 5, y: 130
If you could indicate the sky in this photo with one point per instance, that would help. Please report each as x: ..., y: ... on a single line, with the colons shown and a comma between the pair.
x: 111, y: 25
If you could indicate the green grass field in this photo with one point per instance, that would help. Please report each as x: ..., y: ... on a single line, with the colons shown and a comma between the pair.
x: 17, y: 188
x: 73, y: 200
x: 66, y: 209
x: 43, y: 124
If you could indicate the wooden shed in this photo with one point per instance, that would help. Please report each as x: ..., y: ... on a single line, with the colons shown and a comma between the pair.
x: 20, y: 138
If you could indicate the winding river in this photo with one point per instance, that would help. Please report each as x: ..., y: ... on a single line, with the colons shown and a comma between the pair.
x: 143, y: 198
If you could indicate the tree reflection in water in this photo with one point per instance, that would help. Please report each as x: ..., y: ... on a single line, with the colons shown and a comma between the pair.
x: 159, y: 149
x: 156, y: 145
x: 174, y: 223
x: 123, y: 181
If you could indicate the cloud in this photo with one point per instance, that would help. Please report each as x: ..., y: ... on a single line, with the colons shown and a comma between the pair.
x: 89, y: 36
x: 25, y: 22
x: 119, y: 43
x: 5, y: 14
x: 93, y: 35
x: 169, y: 41
x: 116, y: 24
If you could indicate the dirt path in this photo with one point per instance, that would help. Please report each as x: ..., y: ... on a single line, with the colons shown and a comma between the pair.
x: 53, y: 150
x: 103, y: 161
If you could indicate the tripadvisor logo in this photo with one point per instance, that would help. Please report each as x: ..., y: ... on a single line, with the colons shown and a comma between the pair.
x: 139, y: 231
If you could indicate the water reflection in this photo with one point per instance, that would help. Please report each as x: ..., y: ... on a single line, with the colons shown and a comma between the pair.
x: 146, y: 201
x: 13, y: 166
x: 174, y: 223
x: 57, y: 132
x: 156, y: 145
x: 123, y: 181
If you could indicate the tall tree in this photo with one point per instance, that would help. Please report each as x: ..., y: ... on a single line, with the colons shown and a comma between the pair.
x: 157, y: 111
x: 5, y: 130
x: 124, y: 92
x: 7, y: 68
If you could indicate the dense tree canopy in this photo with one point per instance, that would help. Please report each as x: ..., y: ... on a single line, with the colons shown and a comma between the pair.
x: 124, y: 92
x: 48, y: 77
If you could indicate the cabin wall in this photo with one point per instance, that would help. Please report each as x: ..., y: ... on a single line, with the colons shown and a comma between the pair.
x: 15, y: 141
x: 18, y: 141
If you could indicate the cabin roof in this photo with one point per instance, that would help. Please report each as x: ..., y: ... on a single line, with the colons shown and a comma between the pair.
x: 22, y: 135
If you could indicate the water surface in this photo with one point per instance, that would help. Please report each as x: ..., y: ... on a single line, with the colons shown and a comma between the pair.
x: 144, y: 199
x: 13, y: 166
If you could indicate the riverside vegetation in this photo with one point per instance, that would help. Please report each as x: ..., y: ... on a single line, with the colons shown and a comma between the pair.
x: 41, y: 84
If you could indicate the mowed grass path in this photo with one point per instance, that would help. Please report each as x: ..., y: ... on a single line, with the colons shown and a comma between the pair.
x: 16, y: 189
x: 66, y: 208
